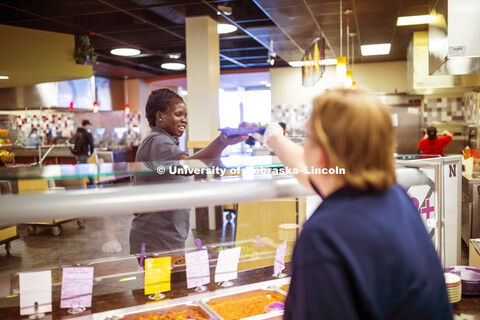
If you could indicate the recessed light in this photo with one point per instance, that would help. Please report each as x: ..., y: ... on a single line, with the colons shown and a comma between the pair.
x: 173, y: 66
x: 375, y: 49
x: 325, y: 62
x: 413, y: 20
x: 4, y: 77
x: 226, y: 28
x: 125, y: 52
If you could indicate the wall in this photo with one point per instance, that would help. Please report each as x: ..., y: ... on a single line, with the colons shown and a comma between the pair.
x: 36, y: 56
x: 387, y: 77
x: 451, y: 108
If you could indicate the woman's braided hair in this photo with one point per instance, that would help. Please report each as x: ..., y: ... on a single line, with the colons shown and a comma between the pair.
x: 159, y: 100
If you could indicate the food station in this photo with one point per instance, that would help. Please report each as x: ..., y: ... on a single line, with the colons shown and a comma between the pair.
x: 236, y: 263
x: 118, y: 284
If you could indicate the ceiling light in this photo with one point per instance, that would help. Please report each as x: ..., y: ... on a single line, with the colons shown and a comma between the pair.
x: 324, y: 62
x: 226, y: 10
x: 174, y: 56
x: 173, y: 66
x: 413, y: 20
x: 125, y: 52
x: 226, y: 28
x: 375, y: 49
x: 4, y: 77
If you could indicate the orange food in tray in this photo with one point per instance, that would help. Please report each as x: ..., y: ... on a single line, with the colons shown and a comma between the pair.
x: 243, y: 305
x: 285, y: 287
x: 174, y: 313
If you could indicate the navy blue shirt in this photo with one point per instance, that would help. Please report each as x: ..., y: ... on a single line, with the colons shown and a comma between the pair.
x: 366, y: 256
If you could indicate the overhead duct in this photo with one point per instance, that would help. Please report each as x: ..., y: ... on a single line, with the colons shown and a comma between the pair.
x: 173, y: 14
x: 453, y: 40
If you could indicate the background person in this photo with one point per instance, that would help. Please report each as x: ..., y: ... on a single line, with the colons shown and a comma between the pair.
x: 84, y: 147
x: 365, y: 252
x: 33, y: 140
x: 433, y: 145
x: 166, y: 113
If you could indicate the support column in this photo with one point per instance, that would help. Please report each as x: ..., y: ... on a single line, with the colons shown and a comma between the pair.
x: 203, y: 78
x: 203, y: 82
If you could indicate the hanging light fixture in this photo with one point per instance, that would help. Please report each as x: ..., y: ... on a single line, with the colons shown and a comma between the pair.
x: 341, y: 69
x: 347, y: 83
x: 352, y: 35
x: 126, y: 108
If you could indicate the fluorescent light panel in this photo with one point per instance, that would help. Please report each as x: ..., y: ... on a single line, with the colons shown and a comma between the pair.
x: 4, y: 77
x: 375, y: 49
x: 413, y: 20
x: 326, y: 62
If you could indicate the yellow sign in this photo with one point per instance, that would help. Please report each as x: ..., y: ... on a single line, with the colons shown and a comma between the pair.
x: 157, y: 275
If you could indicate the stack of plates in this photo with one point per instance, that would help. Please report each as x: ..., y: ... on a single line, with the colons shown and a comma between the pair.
x: 454, y: 287
x: 470, y: 278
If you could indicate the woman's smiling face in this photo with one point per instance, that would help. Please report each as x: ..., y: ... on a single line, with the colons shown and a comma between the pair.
x: 174, y: 120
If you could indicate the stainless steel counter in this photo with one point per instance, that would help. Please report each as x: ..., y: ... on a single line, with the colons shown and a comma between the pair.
x: 470, y: 206
x: 57, y: 151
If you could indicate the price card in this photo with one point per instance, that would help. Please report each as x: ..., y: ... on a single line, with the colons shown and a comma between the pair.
x: 279, y: 264
x: 198, y: 268
x: 35, y: 292
x: 157, y: 274
x: 227, y: 264
x: 77, y: 286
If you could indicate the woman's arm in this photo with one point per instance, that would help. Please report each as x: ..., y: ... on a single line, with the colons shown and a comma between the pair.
x: 292, y: 156
x: 215, y: 148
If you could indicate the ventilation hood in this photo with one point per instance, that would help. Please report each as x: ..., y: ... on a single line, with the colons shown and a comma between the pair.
x: 446, y: 59
x: 453, y: 44
x: 420, y: 81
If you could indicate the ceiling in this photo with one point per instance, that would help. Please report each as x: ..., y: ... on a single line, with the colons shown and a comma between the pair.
x: 157, y: 28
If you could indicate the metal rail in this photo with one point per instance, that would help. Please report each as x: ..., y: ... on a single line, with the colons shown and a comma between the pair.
x: 157, y: 197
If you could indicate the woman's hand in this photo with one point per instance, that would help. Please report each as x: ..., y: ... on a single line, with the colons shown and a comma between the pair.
x: 226, y: 140
x: 273, y: 129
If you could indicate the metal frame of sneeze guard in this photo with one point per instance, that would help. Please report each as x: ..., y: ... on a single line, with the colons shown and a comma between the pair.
x: 447, y: 174
x: 170, y: 196
x: 143, y: 198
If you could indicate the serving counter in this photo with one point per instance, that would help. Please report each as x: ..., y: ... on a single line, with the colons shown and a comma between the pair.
x: 269, y: 206
x: 61, y: 154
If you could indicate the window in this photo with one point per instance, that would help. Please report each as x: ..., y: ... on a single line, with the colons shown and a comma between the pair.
x: 244, y: 105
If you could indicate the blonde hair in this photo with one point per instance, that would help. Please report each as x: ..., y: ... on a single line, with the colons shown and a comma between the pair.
x: 355, y: 131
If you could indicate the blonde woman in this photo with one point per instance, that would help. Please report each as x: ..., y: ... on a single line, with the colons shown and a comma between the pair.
x: 364, y: 253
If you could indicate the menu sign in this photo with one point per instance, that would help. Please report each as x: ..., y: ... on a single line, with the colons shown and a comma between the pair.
x: 157, y: 275
x: 313, y: 62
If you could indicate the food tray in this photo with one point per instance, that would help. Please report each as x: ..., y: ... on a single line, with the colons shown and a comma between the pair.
x: 285, y: 287
x: 251, y: 249
x: 178, y: 257
x: 182, y: 311
x: 244, y: 304
x: 241, y: 131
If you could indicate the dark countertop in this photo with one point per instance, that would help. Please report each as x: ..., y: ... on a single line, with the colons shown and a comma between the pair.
x: 468, y: 306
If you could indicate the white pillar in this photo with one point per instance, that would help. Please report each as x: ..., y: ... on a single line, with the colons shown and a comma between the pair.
x: 203, y: 78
